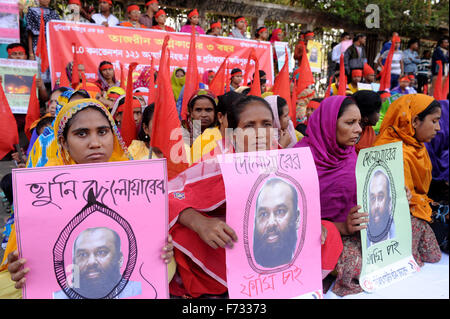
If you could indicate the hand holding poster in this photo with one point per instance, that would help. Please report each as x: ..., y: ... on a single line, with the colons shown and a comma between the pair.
x: 386, y: 243
x: 272, y: 205
x: 94, y: 230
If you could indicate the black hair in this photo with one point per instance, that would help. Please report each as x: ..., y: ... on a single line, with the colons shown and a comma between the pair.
x: 301, y: 128
x: 358, y: 36
x: 191, y: 103
x: 188, y: 22
x: 318, y: 99
x: 281, y: 103
x: 257, y: 31
x: 246, y: 91
x: 441, y: 40
x: 6, y: 186
x: 345, y: 104
x: 80, y: 93
x: 147, y: 116
x: 226, y: 100
x: 233, y: 116
x: 344, y: 34
x: 429, y: 110
x: 61, y: 89
x: 44, y: 122
x: 235, y: 70
x: 69, y: 122
x: 368, y: 102
x: 425, y: 52
x: 239, y: 17
x: 16, y: 45
x: 412, y: 41
x: 103, y: 63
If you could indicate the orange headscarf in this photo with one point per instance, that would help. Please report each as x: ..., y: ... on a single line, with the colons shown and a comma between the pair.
x: 397, y: 126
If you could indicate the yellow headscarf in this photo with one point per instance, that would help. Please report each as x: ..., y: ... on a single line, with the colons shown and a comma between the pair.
x: 397, y: 126
x: 177, y: 83
x: 120, y: 152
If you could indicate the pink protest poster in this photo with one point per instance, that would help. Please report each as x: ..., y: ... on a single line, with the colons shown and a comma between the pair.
x: 94, y: 230
x: 273, y: 206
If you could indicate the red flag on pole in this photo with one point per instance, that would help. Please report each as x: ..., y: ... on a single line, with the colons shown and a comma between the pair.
x: 328, y: 92
x: 8, y: 126
x: 122, y: 76
x: 228, y: 77
x: 192, y: 76
x: 282, y: 86
x: 218, y: 83
x: 151, y: 85
x: 34, y: 110
x: 437, y: 93
x: 128, y: 128
x: 342, y: 77
x: 41, y: 48
x: 248, y: 67
x: 166, y: 129
x: 445, y: 89
x: 385, y: 82
x: 306, y: 78
x: 255, y: 88
x: 63, y: 80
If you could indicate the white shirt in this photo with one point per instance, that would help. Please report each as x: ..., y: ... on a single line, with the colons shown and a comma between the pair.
x: 100, y: 18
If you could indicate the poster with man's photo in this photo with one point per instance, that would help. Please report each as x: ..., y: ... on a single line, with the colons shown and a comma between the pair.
x: 273, y: 206
x: 93, y: 231
x: 387, y: 240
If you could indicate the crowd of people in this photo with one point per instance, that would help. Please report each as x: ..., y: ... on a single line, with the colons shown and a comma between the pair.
x: 335, y: 127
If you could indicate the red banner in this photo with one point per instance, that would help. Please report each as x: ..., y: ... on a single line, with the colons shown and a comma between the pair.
x: 126, y: 45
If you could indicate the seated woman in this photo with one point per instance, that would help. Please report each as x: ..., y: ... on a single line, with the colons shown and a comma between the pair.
x: 133, y: 14
x: 106, y: 76
x: 413, y: 119
x: 286, y: 134
x: 140, y: 148
x: 93, y: 117
x: 369, y: 104
x: 193, y: 22
x: 197, y: 219
x: 160, y: 18
x: 332, y: 132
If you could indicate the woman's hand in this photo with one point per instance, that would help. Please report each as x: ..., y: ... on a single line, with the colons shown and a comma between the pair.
x: 323, y: 235
x: 167, y: 255
x: 355, y: 220
x: 15, y: 268
x: 212, y: 231
x: 408, y: 194
x: 285, y: 138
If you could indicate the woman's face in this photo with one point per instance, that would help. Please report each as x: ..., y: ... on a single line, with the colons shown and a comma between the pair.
x: 134, y: 15
x: 427, y: 129
x: 89, y: 138
x: 264, y: 35
x: 348, y: 127
x: 108, y: 74
x: 161, y: 20
x: 203, y: 111
x: 284, y: 118
x: 194, y: 20
x: 254, y: 131
x: 179, y: 73
x: 44, y: 3
x: 372, y: 119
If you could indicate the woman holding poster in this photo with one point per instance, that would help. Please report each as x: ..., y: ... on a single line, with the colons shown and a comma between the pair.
x: 333, y: 129
x: 85, y: 133
x: 197, y: 207
x: 413, y: 119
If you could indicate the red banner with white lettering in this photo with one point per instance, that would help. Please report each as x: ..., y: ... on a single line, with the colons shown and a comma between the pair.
x: 117, y: 45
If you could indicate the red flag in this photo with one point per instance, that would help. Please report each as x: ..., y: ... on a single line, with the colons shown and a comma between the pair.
x: 328, y: 92
x: 294, y: 97
x: 342, y: 77
x: 192, y: 76
x: 63, y: 80
x: 151, y: 85
x: 34, y: 110
x: 166, y: 129
x: 83, y: 85
x: 445, y: 89
x: 41, y: 48
x: 425, y: 89
x: 218, y: 83
x: 228, y: 76
x: 8, y: 126
x: 306, y: 78
x: 122, y: 76
x: 437, y: 93
x: 255, y: 88
x: 385, y: 82
x: 128, y: 128
x: 75, y: 74
x: 248, y: 67
x: 282, y: 86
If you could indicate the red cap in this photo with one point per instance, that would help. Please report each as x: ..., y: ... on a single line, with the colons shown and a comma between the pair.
x: 193, y: 13
x: 107, y: 1
x: 132, y: 8
x: 159, y: 13
x: 309, y: 34
x: 405, y: 78
x: 368, y: 70
x: 16, y: 49
x: 150, y: 2
x: 216, y: 25
x: 357, y: 73
x: 240, y: 19
x: 136, y: 104
x: 262, y: 30
x: 313, y: 104
x: 75, y: 2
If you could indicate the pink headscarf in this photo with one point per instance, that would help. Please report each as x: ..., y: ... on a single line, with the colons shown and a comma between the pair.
x: 272, y: 100
x: 335, y: 165
x: 205, y: 78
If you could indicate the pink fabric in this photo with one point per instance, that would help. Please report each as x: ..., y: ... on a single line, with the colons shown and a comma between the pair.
x: 187, y: 28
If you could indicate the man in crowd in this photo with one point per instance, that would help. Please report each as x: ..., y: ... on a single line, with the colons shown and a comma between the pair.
x: 105, y: 17
x: 146, y: 19
x: 355, y: 55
